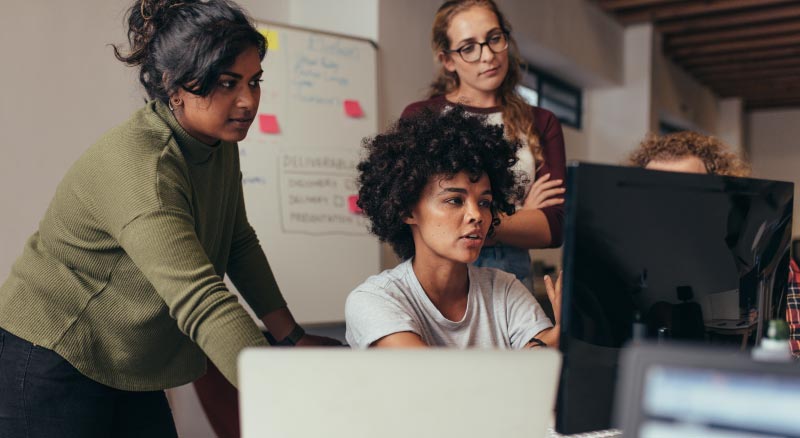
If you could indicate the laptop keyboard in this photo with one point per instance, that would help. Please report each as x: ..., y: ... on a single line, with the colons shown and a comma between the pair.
x: 607, y: 433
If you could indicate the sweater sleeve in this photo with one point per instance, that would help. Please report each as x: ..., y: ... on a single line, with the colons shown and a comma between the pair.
x: 248, y: 267
x: 551, y: 138
x: 164, y: 246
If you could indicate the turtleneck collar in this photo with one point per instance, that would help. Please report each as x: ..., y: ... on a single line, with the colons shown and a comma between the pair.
x: 195, y: 151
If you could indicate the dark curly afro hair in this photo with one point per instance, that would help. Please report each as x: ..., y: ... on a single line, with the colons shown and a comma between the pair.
x: 401, y: 161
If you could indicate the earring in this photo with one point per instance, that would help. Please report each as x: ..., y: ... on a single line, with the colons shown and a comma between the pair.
x: 176, y: 102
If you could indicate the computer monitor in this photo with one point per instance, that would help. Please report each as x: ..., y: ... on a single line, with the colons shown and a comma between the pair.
x: 687, y: 391
x: 664, y: 256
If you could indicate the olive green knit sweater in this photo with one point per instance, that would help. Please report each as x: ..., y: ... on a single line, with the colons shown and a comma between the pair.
x: 124, y: 276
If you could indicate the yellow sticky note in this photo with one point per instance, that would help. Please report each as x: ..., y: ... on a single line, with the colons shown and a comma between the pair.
x: 272, y: 39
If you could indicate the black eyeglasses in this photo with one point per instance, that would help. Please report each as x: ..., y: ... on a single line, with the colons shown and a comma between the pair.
x: 471, y: 52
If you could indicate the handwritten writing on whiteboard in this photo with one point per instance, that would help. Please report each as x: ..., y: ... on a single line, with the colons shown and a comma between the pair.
x: 315, y: 187
x: 318, y: 70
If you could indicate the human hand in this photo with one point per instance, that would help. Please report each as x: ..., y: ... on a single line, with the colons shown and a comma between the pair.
x: 544, y: 193
x: 554, y: 294
x: 317, y: 341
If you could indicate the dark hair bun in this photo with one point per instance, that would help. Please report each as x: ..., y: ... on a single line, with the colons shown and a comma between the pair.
x: 145, y: 17
x: 186, y: 43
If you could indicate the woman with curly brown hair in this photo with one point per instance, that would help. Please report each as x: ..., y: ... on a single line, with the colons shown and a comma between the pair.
x: 690, y: 152
x: 119, y: 294
x: 434, y: 187
x: 480, y: 70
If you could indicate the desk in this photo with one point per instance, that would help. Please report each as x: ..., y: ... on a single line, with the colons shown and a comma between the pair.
x: 731, y: 327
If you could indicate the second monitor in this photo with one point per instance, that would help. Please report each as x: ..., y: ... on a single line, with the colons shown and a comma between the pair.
x: 660, y: 255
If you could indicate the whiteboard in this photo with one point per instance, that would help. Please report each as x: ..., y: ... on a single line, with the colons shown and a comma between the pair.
x: 318, y: 100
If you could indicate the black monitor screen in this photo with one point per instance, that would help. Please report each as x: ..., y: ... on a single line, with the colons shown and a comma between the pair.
x: 663, y: 256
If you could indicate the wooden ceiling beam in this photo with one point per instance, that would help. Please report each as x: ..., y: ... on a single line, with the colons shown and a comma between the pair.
x: 735, y: 46
x: 759, y: 92
x: 723, y: 81
x: 771, y: 85
x: 757, y: 86
x: 789, y: 86
x: 751, y: 76
x: 742, y: 67
x: 692, y: 9
x: 746, y: 18
x: 749, y: 32
x: 613, y: 5
x: 734, y: 58
x: 757, y: 104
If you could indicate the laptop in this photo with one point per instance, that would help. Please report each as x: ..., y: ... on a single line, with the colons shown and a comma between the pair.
x: 696, y: 391
x: 388, y: 393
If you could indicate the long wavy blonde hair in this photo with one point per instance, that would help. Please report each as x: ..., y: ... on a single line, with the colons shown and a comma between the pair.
x: 517, y: 117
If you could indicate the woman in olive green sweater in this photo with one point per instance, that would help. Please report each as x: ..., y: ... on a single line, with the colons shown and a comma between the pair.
x: 119, y: 294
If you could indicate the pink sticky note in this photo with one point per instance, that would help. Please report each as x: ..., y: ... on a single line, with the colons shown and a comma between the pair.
x: 353, y: 109
x: 352, y: 204
x: 268, y: 124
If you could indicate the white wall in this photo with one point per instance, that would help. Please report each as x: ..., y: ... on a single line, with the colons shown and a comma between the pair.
x: 730, y: 124
x: 571, y: 38
x: 774, y: 140
x: 619, y: 116
x: 680, y: 99
x: 62, y: 88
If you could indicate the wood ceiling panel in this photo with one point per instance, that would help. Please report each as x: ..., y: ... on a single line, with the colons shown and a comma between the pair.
x: 613, y: 5
x: 691, y: 9
x: 738, y: 48
x: 746, y: 18
x: 739, y: 33
x: 734, y: 46
x: 744, y: 66
x: 714, y: 80
x: 728, y: 58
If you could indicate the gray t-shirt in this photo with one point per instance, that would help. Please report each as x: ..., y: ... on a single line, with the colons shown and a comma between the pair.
x: 501, y: 312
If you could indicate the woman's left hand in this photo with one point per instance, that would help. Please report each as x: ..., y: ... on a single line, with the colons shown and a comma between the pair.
x: 554, y: 294
x: 317, y: 341
x: 551, y: 336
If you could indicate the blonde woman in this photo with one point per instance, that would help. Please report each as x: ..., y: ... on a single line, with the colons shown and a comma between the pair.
x: 480, y: 70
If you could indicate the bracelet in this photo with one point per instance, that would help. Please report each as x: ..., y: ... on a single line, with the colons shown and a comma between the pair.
x: 536, y: 342
x: 291, y: 339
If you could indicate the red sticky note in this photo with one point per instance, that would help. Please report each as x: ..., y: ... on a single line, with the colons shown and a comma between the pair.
x: 353, y: 109
x: 352, y: 204
x: 268, y: 124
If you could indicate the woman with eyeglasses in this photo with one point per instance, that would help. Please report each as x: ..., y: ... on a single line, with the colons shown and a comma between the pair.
x: 480, y: 70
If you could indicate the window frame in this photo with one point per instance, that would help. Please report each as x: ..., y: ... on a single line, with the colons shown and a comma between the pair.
x: 542, y: 78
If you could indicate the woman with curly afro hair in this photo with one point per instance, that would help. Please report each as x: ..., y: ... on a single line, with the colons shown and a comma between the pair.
x: 688, y: 152
x: 433, y: 187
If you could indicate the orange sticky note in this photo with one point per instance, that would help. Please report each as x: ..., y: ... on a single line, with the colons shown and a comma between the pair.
x: 352, y: 204
x: 353, y: 109
x: 268, y: 124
